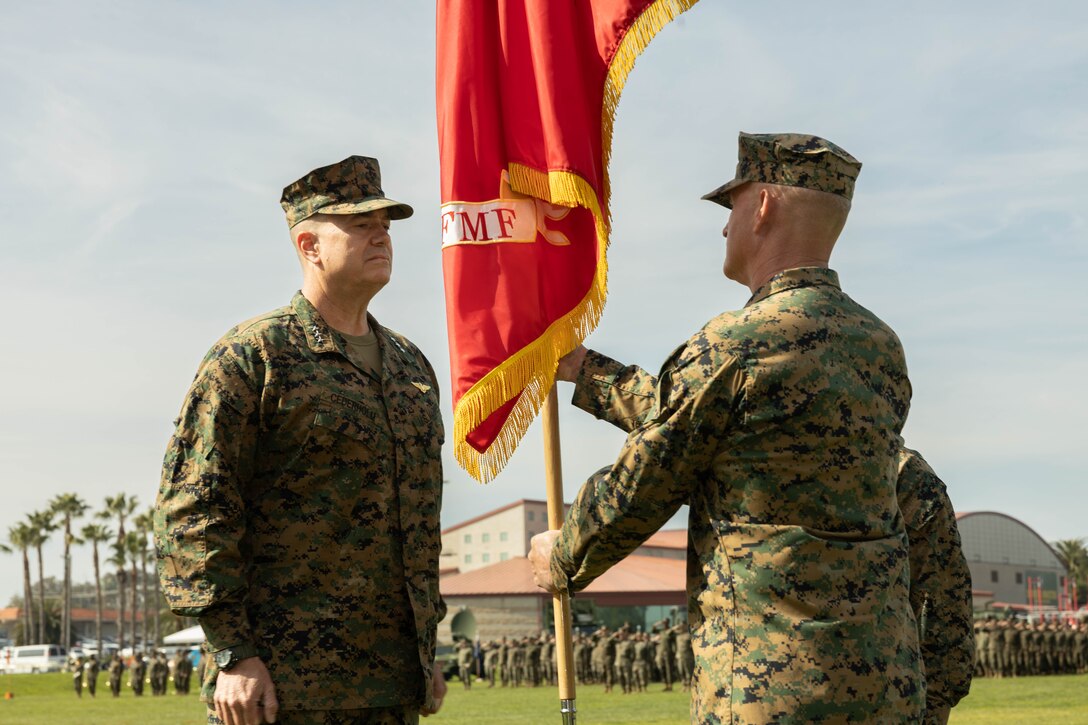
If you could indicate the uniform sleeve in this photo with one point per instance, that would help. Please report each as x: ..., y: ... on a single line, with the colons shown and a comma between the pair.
x: 200, y: 514
x: 619, y: 507
x: 940, y: 586
x: 622, y: 395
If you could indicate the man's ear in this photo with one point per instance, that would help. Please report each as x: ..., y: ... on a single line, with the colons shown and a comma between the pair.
x: 764, y: 210
x: 306, y: 243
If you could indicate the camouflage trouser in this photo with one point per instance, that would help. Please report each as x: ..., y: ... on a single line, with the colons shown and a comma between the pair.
x: 368, y: 716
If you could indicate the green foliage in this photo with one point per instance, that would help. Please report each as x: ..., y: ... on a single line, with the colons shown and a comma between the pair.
x: 49, y: 699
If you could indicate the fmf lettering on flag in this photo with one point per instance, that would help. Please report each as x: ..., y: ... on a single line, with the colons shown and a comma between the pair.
x: 526, y: 92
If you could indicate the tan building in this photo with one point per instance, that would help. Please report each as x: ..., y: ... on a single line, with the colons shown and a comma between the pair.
x: 494, y: 537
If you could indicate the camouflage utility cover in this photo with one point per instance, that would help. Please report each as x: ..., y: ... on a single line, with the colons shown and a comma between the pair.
x: 779, y: 426
x: 299, y: 511
x: 791, y: 159
x: 351, y: 186
x: 940, y: 584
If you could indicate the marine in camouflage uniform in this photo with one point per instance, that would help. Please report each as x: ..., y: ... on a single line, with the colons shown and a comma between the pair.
x: 90, y: 670
x: 183, y: 672
x: 464, y: 663
x: 666, y: 653
x: 115, y: 669
x: 160, y: 671
x: 779, y: 425
x: 137, y: 674
x: 685, y: 658
x: 76, y: 666
x: 940, y: 585
x: 298, y: 514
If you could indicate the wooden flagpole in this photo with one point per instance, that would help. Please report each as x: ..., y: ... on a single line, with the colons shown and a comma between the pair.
x: 553, y: 474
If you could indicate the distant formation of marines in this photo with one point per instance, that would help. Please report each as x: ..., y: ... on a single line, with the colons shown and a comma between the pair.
x: 624, y: 657
x: 157, y: 673
x: 1017, y: 648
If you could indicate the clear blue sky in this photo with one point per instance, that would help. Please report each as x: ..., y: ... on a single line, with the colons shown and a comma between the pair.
x: 143, y: 147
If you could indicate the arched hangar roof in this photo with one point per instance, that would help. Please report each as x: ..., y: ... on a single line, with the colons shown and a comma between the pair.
x: 997, y: 538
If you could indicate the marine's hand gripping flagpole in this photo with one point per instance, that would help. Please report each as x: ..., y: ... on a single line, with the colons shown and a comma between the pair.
x: 553, y: 474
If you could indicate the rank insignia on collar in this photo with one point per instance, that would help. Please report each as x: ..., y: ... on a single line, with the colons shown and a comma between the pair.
x: 422, y: 388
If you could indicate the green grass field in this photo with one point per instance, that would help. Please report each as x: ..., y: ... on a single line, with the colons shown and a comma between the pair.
x: 48, y: 699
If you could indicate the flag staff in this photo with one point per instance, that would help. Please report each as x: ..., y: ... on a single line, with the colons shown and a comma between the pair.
x: 553, y: 475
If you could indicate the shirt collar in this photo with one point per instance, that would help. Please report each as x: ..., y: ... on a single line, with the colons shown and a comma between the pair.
x: 319, y: 335
x: 321, y: 338
x: 796, y: 279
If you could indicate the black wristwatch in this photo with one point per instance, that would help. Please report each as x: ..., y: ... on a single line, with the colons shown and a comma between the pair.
x: 227, y: 658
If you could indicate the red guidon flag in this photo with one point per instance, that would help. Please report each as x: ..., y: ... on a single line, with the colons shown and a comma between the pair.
x: 526, y: 92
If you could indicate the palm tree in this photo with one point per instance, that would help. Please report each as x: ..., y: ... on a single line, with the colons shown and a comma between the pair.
x: 1074, y: 556
x: 118, y: 559
x: 43, y: 525
x: 134, y: 547
x: 20, y: 538
x: 144, y: 524
x: 67, y: 506
x: 97, y: 534
x: 122, y: 507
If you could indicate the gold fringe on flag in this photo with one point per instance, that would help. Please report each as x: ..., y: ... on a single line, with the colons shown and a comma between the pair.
x: 531, y: 370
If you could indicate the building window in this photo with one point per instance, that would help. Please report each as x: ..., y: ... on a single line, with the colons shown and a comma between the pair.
x: 503, y: 556
x: 484, y: 538
x: 1019, y: 577
x: 468, y: 538
x: 531, y: 515
x: 502, y: 536
x: 468, y: 558
x: 484, y: 558
x: 993, y: 575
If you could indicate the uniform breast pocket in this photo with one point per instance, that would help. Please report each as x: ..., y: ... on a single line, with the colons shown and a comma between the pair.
x: 348, y: 428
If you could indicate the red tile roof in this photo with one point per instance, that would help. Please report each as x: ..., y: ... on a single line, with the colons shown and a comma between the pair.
x: 79, y: 614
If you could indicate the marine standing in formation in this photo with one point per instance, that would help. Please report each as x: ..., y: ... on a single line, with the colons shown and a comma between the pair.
x: 779, y: 425
x: 160, y: 674
x: 136, y: 674
x: 298, y: 513
x: 76, y: 666
x: 183, y: 672
x: 115, y: 669
x: 90, y: 670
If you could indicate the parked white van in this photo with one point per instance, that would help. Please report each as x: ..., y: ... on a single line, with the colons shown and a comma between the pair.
x: 38, y: 658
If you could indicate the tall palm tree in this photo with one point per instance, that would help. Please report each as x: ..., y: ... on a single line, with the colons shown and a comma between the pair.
x: 144, y: 525
x: 1074, y: 556
x: 20, y: 537
x: 134, y: 547
x: 67, y: 506
x: 43, y: 524
x: 97, y: 534
x: 120, y: 506
x: 118, y: 559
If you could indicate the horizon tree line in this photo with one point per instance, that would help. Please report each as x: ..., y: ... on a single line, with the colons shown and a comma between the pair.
x: 129, y: 552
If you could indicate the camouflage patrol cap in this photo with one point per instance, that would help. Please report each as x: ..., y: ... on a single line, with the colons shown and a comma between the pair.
x: 351, y: 186
x: 791, y: 159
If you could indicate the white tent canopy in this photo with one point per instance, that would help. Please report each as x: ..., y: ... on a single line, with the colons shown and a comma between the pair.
x: 190, y: 635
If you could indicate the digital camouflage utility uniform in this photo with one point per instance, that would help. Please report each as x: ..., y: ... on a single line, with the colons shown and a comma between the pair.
x: 299, y: 512
x: 779, y: 425
x: 940, y: 584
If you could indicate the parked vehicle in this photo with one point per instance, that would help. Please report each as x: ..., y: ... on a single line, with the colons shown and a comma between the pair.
x: 34, y: 658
